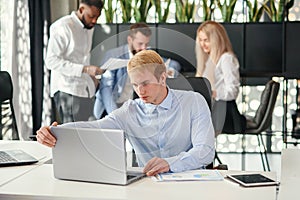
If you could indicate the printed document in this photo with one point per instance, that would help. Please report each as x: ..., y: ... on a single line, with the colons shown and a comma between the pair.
x: 114, y: 63
x: 193, y: 175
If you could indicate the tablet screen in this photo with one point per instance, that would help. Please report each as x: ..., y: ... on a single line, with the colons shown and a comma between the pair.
x: 252, y: 180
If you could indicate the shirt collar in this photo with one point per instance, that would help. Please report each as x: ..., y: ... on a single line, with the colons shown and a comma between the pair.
x: 164, y: 105
x: 129, y: 52
x: 76, y: 19
x: 167, y: 102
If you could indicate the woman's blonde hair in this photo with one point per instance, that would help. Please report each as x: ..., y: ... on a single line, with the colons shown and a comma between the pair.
x: 219, y: 44
x: 147, y: 60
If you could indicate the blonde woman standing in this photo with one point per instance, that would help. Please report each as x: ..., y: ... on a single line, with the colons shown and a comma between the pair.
x: 217, y: 62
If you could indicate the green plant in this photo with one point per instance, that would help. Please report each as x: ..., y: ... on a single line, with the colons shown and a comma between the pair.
x: 109, y: 11
x: 141, y: 10
x: 162, y: 14
x: 254, y: 11
x: 207, y: 9
x: 277, y: 14
x: 185, y: 11
x: 126, y: 6
x: 226, y: 9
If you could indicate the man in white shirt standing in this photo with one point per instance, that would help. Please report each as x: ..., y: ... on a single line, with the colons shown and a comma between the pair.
x: 73, y: 82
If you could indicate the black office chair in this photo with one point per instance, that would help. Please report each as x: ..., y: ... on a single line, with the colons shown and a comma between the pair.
x: 8, y: 124
x: 235, y: 123
x: 197, y: 84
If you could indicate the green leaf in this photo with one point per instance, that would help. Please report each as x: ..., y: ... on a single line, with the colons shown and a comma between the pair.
x: 109, y: 11
x: 179, y: 11
x: 290, y: 4
x: 227, y: 10
x: 166, y: 12
x: 126, y: 10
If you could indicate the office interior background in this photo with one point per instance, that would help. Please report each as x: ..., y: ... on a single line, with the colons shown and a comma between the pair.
x: 18, y: 57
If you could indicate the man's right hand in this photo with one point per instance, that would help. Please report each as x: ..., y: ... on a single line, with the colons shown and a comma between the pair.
x: 44, y: 136
x: 93, y: 70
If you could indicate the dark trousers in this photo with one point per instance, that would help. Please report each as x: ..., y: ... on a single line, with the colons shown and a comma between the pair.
x: 71, y: 108
x: 227, y: 118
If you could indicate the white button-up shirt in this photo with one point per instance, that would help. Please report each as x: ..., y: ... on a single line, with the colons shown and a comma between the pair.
x: 224, y: 77
x: 68, y: 52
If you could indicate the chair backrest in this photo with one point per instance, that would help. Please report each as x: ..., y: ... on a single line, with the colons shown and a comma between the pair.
x: 263, y: 115
x: 197, y: 84
x: 8, y: 125
x: 5, y: 86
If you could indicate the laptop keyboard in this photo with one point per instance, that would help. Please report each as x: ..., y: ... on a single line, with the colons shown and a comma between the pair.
x: 4, y: 157
x: 130, y: 177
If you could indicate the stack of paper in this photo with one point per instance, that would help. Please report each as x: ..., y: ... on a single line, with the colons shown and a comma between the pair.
x: 194, y: 175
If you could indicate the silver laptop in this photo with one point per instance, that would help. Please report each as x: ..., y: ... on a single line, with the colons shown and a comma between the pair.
x: 93, y: 155
x: 15, y: 157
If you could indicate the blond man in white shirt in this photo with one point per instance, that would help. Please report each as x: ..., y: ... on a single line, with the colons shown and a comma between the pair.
x: 68, y: 57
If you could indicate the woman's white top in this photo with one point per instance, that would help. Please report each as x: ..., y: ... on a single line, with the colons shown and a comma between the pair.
x: 224, y: 77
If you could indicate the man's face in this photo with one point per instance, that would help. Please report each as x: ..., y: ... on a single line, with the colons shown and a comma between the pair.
x: 147, y: 87
x: 138, y: 43
x: 90, y: 15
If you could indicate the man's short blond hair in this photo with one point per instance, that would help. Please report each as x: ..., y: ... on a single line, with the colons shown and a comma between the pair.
x: 147, y: 60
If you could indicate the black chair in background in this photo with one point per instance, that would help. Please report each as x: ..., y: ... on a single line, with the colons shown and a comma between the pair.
x: 197, y: 84
x: 8, y: 124
x: 296, y: 125
x: 235, y: 123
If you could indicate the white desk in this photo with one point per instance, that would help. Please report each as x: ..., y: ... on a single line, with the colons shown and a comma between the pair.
x: 35, y: 149
x: 290, y: 174
x: 40, y: 183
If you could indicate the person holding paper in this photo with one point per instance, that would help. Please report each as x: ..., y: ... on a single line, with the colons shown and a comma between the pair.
x: 170, y: 130
x: 68, y: 57
x: 114, y: 85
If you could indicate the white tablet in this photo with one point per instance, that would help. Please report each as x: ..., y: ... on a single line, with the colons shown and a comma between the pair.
x: 251, y: 180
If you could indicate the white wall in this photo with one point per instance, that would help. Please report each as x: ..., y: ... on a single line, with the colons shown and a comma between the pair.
x: 61, y: 8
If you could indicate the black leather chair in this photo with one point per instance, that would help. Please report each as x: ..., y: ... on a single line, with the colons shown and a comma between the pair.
x: 197, y: 84
x: 235, y: 123
x: 8, y: 125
